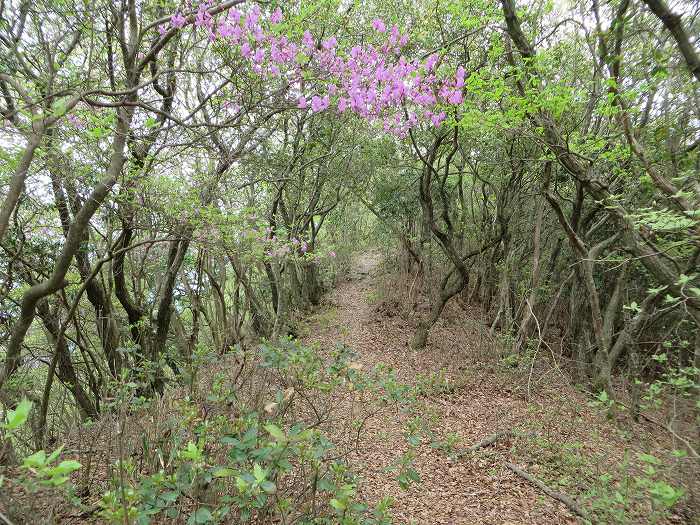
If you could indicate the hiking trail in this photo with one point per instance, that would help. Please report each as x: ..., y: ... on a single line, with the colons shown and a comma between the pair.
x: 477, y: 488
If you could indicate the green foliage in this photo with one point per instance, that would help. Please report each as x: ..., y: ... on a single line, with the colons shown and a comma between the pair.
x: 615, y: 496
x: 254, y: 459
x: 17, y: 417
x: 406, y: 474
x: 39, y: 470
x: 45, y: 472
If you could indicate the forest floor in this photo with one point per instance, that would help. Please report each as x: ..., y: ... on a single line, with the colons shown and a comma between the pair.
x: 468, y: 394
x: 465, y: 386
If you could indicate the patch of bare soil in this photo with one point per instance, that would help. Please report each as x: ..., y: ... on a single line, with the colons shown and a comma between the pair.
x: 465, y: 400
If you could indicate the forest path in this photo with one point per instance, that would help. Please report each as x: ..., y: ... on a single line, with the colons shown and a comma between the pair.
x: 460, y: 407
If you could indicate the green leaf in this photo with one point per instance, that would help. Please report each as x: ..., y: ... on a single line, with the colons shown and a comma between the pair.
x: 58, y: 108
x: 337, y: 504
x: 276, y: 432
x: 202, y: 515
x: 17, y: 417
x: 66, y: 467
x: 36, y: 460
x: 223, y: 472
x: 268, y: 486
x: 648, y: 458
x: 170, y: 497
x: 241, y: 484
x: 191, y: 453
x: 54, y: 455
x: 683, y: 279
x: 665, y: 493
x: 259, y: 473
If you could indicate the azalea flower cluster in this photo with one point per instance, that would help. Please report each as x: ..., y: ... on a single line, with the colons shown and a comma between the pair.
x: 375, y: 82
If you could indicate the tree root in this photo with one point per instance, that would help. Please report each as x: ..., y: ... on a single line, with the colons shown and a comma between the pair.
x: 490, y: 440
x: 563, y: 498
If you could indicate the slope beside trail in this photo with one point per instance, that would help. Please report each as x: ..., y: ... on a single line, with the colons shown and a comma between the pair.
x: 474, y: 489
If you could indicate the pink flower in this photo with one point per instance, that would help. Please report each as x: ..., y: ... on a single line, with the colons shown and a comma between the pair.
x: 331, y: 254
x: 460, y: 76
x: 162, y: 29
x: 301, y: 103
x: 235, y: 15
x: 177, y: 20
x: 319, y: 104
x: 342, y: 104
x: 378, y: 25
x: 246, y: 50
x: 330, y: 43
x: 259, y: 56
x: 395, y: 35
x: 276, y: 16
x: 253, y: 17
x: 431, y: 61
x: 236, y: 33
x: 455, y: 97
x: 203, y: 18
x: 437, y: 119
x: 308, y: 40
x: 225, y: 30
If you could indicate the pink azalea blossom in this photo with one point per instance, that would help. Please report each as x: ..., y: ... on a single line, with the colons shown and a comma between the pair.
x: 177, y: 20
x: 431, y: 61
x: 395, y: 35
x: 455, y: 97
x: 460, y: 76
x: 253, y: 17
x: 258, y: 34
x: 203, y: 18
x: 162, y: 29
x: 308, y: 40
x: 437, y: 119
x: 330, y: 43
x: 259, y: 56
x: 378, y: 25
x: 276, y: 16
x: 319, y: 103
x: 375, y: 82
x: 235, y: 15
x: 225, y: 30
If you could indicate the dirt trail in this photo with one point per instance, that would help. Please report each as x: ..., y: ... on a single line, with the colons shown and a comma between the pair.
x: 475, y: 489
